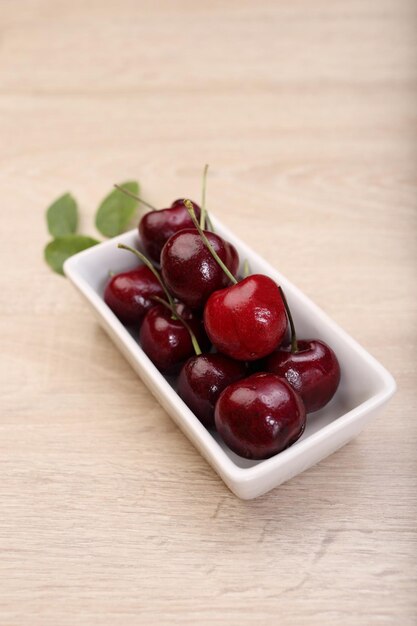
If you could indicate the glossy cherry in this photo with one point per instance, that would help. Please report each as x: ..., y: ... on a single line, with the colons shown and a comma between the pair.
x: 310, y: 366
x: 260, y: 416
x: 180, y: 203
x: 128, y: 294
x: 167, y: 341
x: 246, y: 321
x: 313, y: 371
x: 156, y: 227
x: 203, y: 378
x: 189, y: 269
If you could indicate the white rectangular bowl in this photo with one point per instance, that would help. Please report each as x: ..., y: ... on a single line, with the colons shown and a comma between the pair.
x: 365, y: 385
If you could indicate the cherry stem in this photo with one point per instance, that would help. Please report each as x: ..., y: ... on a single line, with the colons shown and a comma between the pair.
x: 191, y: 212
x: 294, y: 345
x: 209, y: 223
x: 149, y: 265
x: 174, y: 311
x: 135, y: 197
x: 246, y: 268
x: 203, y: 199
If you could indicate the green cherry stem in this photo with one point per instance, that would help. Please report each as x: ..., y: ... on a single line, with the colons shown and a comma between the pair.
x: 203, y: 199
x: 294, y: 345
x: 135, y: 197
x: 174, y: 311
x: 149, y: 265
x: 191, y: 212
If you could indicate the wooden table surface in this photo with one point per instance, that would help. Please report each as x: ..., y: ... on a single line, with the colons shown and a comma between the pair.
x: 306, y: 111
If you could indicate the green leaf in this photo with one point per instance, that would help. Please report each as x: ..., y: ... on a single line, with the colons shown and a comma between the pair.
x: 62, y: 216
x: 116, y: 210
x: 61, y: 248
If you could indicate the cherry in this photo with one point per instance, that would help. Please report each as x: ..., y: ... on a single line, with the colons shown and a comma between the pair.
x: 156, y: 227
x: 246, y: 321
x: 189, y: 269
x: 313, y: 371
x: 310, y: 366
x: 180, y: 204
x: 128, y: 294
x: 166, y: 340
x: 260, y: 416
x: 203, y: 378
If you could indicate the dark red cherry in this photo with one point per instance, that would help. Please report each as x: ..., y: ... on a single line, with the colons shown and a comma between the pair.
x: 180, y: 203
x: 128, y: 294
x: 189, y: 269
x: 203, y: 378
x: 260, y: 416
x: 156, y: 227
x: 313, y: 371
x: 166, y: 341
x: 246, y: 321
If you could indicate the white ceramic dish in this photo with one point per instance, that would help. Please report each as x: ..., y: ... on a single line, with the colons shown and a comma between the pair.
x: 365, y: 386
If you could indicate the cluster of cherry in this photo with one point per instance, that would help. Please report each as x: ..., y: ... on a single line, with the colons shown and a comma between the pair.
x: 230, y: 340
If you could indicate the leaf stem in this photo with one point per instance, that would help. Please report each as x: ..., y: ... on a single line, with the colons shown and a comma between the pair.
x: 191, y: 212
x: 174, y: 311
x: 203, y: 199
x: 135, y: 197
x: 149, y: 265
x: 294, y: 345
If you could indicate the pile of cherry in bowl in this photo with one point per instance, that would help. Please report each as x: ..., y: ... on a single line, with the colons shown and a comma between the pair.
x: 230, y: 340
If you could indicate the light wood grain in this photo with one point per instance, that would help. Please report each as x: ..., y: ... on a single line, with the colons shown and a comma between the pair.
x: 306, y: 111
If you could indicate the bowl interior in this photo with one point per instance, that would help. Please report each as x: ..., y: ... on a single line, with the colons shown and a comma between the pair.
x: 361, y: 376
